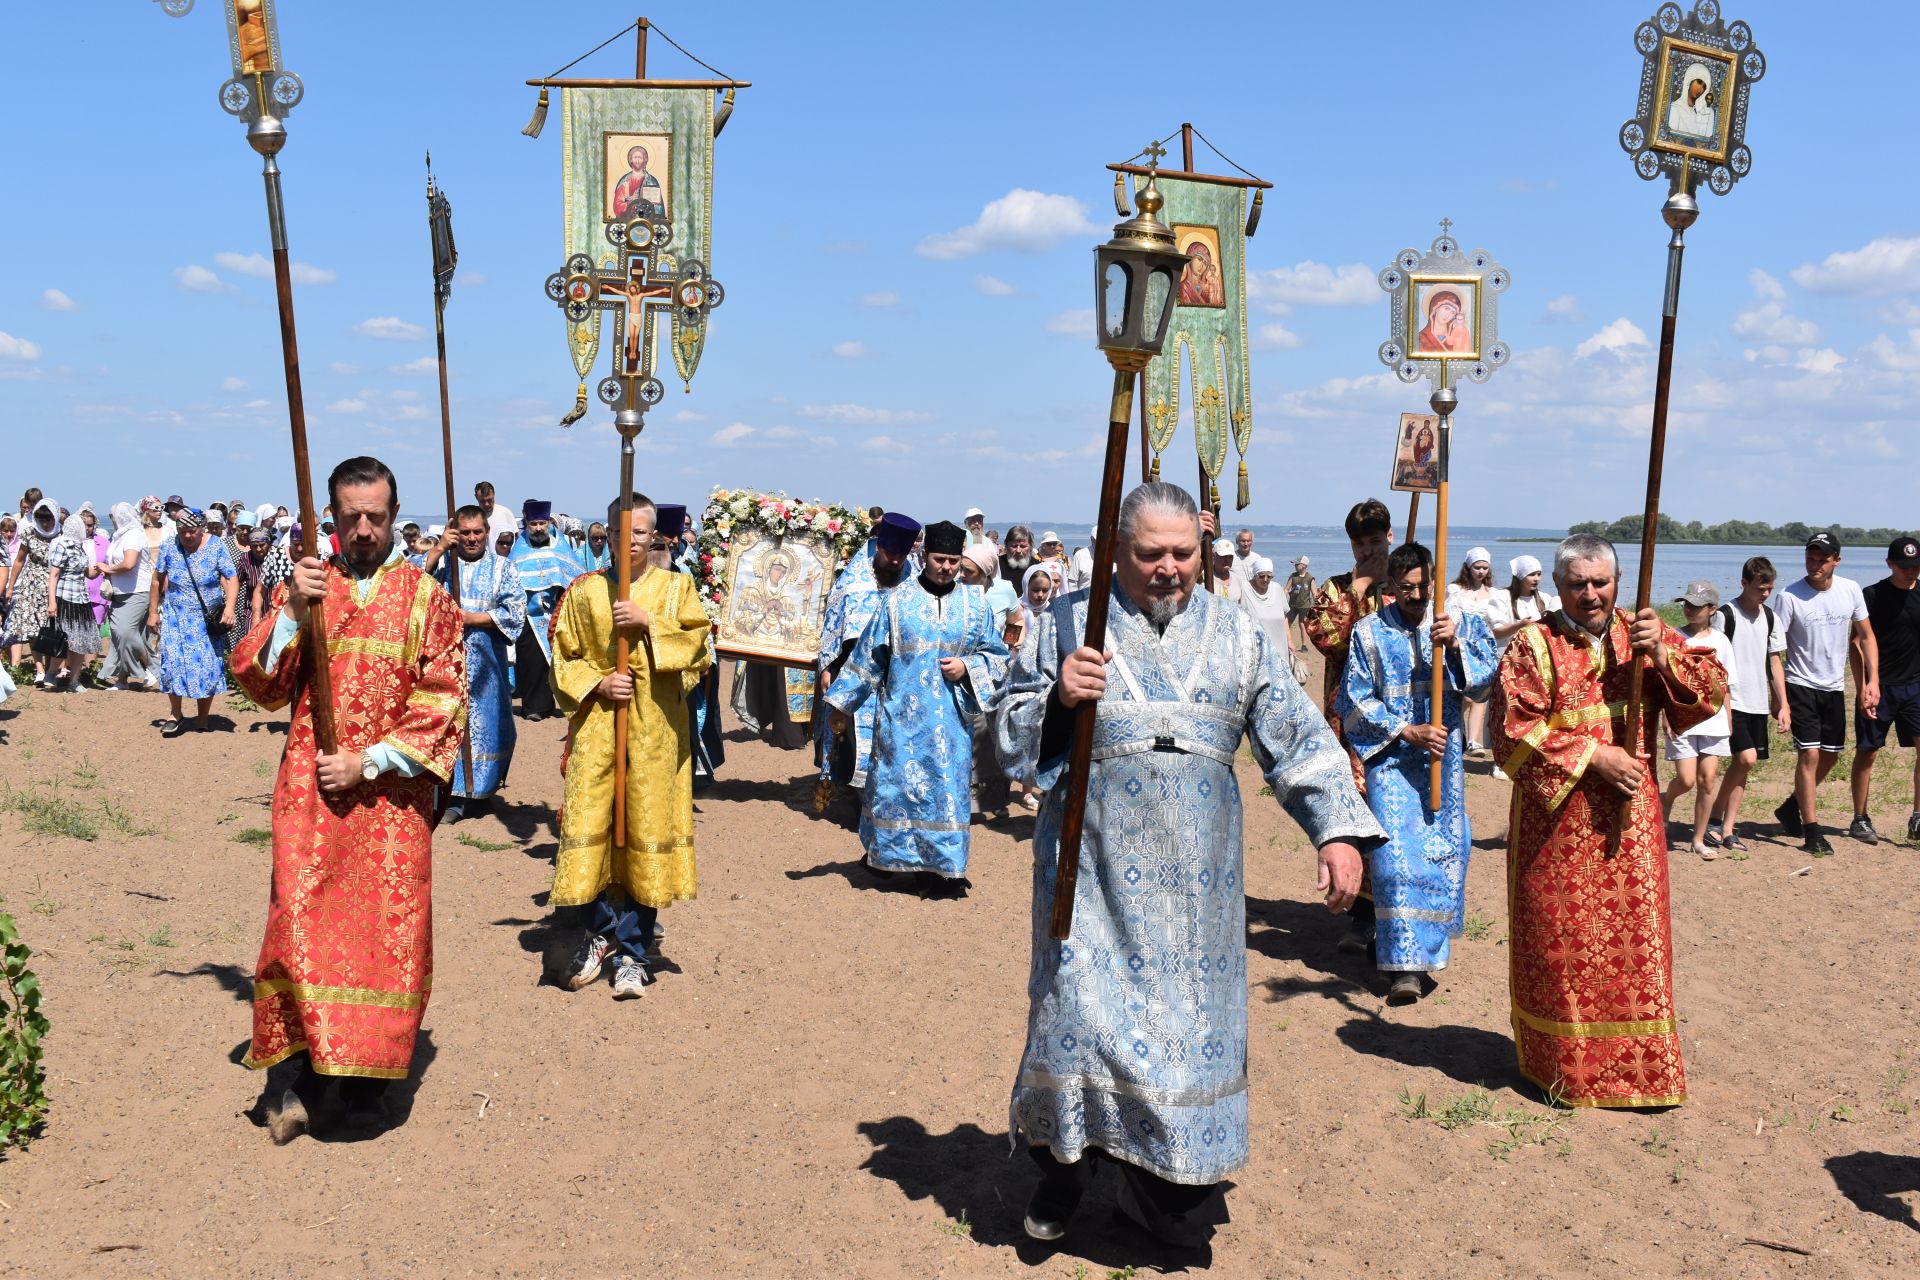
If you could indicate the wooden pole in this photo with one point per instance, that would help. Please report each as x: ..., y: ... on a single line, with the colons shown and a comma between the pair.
x: 1413, y: 519
x: 1443, y: 402
x: 1205, y: 498
x: 1099, y: 596
x: 622, y: 655
x: 315, y: 635
x: 1679, y: 213
x: 1186, y: 147
x: 452, y: 555
x: 640, y: 50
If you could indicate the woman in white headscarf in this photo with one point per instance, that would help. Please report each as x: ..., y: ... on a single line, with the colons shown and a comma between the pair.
x: 69, y: 605
x: 129, y: 567
x: 27, y: 582
x: 1266, y: 603
x: 1472, y: 592
x: 1522, y: 602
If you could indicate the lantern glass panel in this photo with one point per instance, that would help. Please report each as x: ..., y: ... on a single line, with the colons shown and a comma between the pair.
x: 1116, y: 295
x: 1153, y: 328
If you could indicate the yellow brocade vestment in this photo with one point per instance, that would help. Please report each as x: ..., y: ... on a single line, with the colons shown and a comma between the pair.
x: 656, y: 867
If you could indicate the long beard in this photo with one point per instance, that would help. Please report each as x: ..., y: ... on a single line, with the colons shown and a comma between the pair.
x: 888, y: 577
x: 539, y: 539
x: 1019, y: 564
x: 1161, y: 613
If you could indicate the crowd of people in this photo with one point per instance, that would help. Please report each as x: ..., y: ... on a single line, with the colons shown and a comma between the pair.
x: 951, y: 669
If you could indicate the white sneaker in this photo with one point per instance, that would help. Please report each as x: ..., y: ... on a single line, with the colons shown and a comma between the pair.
x: 587, y: 961
x: 629, y: 979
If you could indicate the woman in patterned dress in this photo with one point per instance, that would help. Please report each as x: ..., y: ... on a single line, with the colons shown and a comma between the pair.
x: 27, y: 584
x: 194, y: 573
x: 69, y: 605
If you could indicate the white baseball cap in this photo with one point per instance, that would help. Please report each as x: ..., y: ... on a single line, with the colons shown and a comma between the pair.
x: 973, y: 513
x: 1223, y: 546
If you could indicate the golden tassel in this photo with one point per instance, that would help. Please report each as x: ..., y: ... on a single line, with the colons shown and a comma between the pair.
x: 579, y: 408
x: 1253, y: 214
x: 724, y: 112
x: 1241, y: 499
x: 539, y: 121
x: 1120, y: 195
x: 1154, y: 473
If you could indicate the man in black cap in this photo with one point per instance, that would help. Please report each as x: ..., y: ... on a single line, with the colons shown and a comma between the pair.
x: 1893, y: 618
x: 876, y: 569
x: 1822, y: 616
x: 933, y: 660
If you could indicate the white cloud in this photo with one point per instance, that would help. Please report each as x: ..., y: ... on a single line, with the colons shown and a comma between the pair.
x: 1072, y: 324
x: 1565, y: 307
x: 343, y: 369
x: 1891, y: 356
x: 1276, y: 337
x: 233, y: 384
x: 424, y: 365
x: 472, y: 279
x: 347, y: 406
x: 1619, y: 337
x: 863, y: 415
x: 850, y: 350
x: 727, y: 437
x: 882, y: 298
x: 1022, y: 220
x: 194, y: 278
x: 1767, y: 320
x: 1313, y: 284
x: 689, y: 415
x: 260, y: 267
x: 1888, y: 265
x: 994, y: 286
x: 12, y: 348
x: 1824, y: 361
x: 390, y: 328
x: 1902, y: 312
x: 54, y: 300
x: 883, y: 444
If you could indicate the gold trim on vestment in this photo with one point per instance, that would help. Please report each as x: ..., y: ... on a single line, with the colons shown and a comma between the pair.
x: 1554, y: 1094
x: 416, y: 618
x: 326, y: 1069
x: 365, y: 646
x: 1576, y: 773
x: 270, y: 987
x: 1590, y: 1030
x: 447, y: 702
x: 1579, y: 716
x: 425, y: 762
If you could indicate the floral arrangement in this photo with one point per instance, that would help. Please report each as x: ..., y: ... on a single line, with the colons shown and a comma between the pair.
x: 728, y: 510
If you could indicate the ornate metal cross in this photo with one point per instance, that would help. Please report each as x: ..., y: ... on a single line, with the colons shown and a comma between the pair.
x: 633, y: 294
x: 1153, y: 153
x: 1210, y: 401
x: 1446, y: 225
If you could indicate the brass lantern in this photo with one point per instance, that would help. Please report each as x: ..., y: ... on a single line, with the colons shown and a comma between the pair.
x: 1136, y: 279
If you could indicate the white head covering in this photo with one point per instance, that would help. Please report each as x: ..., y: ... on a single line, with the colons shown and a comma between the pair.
x: 1478, y: 555
x: 124, y: 516
x: 1259, y: 566
x: 1521, y: 566
x: 74, y: 528
x: 266, y: 511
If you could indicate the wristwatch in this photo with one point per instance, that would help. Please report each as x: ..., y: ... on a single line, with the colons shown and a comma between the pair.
x: 369, y: 767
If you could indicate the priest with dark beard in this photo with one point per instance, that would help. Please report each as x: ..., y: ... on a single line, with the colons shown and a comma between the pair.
x: 874, y: 570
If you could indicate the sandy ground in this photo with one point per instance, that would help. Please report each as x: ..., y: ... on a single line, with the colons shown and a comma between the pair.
x: 818, y: 1086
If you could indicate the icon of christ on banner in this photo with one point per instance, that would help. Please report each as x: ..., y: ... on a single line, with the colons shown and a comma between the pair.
x: 638, y: 178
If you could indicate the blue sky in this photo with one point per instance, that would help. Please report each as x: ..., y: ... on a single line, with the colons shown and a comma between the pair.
x: 906, y: 203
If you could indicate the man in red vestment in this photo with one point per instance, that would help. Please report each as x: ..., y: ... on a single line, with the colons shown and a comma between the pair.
x: 347, y: 962
x: 1591, y: 950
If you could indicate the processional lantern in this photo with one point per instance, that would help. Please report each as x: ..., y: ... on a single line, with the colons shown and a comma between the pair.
x: 1135, y: 275
x: 1443, y: 321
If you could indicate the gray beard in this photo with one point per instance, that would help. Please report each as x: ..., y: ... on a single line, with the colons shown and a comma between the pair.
x: 539, y: 539
x: 1161, y: 614
x: 1019, y: 564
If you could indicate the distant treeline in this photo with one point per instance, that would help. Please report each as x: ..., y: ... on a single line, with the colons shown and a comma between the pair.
x: 1734, y: 532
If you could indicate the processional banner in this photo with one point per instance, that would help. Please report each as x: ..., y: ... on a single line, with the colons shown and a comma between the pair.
x: 1209, y: 329
x: 638, y: 152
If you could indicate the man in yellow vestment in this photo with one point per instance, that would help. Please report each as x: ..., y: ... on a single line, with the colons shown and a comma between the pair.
x: 666, y: 630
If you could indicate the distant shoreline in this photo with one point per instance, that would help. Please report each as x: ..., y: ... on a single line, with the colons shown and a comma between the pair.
x: 1673, y: 542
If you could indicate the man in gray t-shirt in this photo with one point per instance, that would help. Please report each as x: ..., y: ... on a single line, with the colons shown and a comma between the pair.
x: 1760, y: 691
x: 1822, y: 615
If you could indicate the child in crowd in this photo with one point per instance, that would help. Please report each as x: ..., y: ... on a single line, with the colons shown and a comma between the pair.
x: 1696, y: 754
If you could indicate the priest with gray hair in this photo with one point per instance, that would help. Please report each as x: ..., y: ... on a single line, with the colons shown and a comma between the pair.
x: 1136, y: 1046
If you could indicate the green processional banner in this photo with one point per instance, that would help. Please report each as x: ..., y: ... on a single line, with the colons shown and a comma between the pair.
x: 1209, y: 328
x: 637, y: 151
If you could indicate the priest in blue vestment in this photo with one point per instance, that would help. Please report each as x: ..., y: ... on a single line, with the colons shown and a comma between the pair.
x: 846, y: 758
x: 1385, y: 703
x: 493, y: 606
x: 933, y: 661
x: 547, y: 566
x: 1136, y: 1049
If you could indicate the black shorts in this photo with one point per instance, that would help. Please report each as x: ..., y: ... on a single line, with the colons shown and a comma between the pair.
x: 1819, y: 718
x: 1750, y: 732
x: 1899, y: 708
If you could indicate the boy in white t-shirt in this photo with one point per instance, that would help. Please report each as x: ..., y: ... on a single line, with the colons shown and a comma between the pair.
x: 1696, y: 754
x: 1822, y: 615
x: 1758, y: 641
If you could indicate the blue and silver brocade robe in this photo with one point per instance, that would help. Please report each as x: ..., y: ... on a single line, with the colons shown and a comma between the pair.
x: 1137, y: 1028
x: 1420, y: 874
x: 489, y: 585
x: 850, y: 605
x: 541, y: 569
x: 919, y: 803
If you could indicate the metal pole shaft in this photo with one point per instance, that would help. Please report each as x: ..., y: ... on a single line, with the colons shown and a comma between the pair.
x: 1679, y: 211
x: 316, y: 629
x: 1099, y: 595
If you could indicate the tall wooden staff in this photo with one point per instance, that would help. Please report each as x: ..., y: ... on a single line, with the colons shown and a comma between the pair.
x: 445, y: 257
x: 1696, y: 74
x: 260, y: 94
x: 1136, y: 278
x: 1444, y: 318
